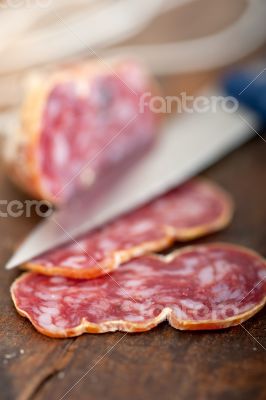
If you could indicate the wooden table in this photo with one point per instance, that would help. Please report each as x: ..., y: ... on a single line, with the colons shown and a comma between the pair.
x: 160, y: 364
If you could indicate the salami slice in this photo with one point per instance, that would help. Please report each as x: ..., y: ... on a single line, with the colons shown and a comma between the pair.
x: 200, y: 287
x: 78, y: 122
x: 196, y: 208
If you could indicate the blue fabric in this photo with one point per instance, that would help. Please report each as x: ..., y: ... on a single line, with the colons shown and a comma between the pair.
x: 238, y: 84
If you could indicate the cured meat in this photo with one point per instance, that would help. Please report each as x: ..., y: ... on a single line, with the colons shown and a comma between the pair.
x: 196, y: 208
x: 199, y: 287
x: 75, y: 123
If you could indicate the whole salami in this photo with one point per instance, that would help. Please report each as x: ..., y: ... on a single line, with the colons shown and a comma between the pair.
x: 76, y: 123
x: 199, y: 287
x: 195, y: 208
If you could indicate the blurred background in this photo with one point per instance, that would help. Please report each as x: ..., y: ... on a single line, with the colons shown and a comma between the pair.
x: 184, y: 38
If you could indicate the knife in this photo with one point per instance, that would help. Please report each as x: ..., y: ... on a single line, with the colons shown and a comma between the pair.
x: 188, y: 144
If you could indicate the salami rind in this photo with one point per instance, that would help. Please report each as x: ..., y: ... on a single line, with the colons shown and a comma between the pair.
x: 199, y: 287
x: 196, y: 208
x: 76, y: 123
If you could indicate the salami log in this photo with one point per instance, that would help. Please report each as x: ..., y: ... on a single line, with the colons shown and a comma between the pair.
x: 199, y: 287
x: 76, y: 123
x: 195, y: 208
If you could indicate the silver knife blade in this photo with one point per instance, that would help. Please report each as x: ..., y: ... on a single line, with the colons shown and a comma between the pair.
x: 187, y: 145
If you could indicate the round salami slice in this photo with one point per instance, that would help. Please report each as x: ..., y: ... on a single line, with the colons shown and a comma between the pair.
x: 200, y: 287
x: 196, y: 208
x: 78, y: 122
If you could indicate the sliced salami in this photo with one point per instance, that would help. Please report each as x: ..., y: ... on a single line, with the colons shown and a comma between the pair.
x: 195, y: 208
x: 199, y: 287
x: 78, y: 122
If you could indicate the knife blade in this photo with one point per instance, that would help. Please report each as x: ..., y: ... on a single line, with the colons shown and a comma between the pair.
x: 187, y: 145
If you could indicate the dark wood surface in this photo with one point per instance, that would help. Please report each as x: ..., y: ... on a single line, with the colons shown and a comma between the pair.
x: 160, y: 364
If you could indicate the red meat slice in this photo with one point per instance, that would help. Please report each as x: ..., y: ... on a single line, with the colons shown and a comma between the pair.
x: 77, y: 123
x: 199, y: 287
x: 194, y: 209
